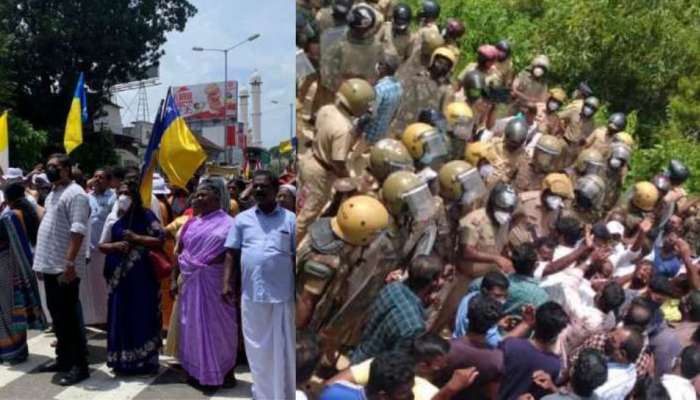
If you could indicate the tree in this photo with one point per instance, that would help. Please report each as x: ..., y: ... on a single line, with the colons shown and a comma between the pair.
x: 112, y: 41
x: 26, y: 143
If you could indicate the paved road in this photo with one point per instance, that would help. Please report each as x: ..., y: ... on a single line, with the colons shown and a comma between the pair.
x: 22, y: 381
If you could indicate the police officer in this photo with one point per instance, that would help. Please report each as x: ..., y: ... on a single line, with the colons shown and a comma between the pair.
x: 480, y: 154
x: 546, y: 159
x: 387, y: 156
x: 578, y: 125
x: 333, y: 15
x: 334, y: 135
x: 425, y: 89
x: 427, y: 17
x: 677, y: 173
x: 396, y: 35
x: 427, y: 146
x: 589, y: 192
x: 550, y: 123
x: 589, y: 161
x: 483, y: 234
x: 530, y: 86
x: 454, y: 30
x: 602, y: 137
x: 640, y: 205
x: 615, y: 172
x: 336, y: 250
x: 460, y: 127
x: 509, y: 151
x: 476, y: 96
x: 503, y: 68
x: 538, y: 210
x: 486, y: 57
x: 357, y: 54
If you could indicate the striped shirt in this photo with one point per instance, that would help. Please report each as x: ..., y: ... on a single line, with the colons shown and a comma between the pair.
x: 387, y: 99
x: 67, y: 210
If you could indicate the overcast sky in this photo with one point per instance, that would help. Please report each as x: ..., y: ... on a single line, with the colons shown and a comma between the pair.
x: 221, y: 24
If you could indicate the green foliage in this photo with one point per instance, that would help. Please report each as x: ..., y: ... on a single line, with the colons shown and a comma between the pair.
x: 96, y: 151
x: 51, y: 41
x: 26, y: 143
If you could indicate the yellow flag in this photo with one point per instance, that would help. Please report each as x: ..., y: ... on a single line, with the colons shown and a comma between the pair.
x: 4, y: 142
x: 286, y: 147
x: 77, y: 115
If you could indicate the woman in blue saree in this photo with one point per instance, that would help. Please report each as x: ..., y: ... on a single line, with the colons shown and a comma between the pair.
x: 133, y: 313
x: 20, y: 307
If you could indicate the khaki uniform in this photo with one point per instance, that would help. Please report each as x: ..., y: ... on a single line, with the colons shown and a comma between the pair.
x: 399, y: 45
x: 600, y: 140
x: 534, y: 90
x: 420, y: 91
x: 576, y: 130
x: 506, y: 163
x: 331, y: 143
x: 411, y: 236
x: 691, y: 227
x: 613, y: 187
x: 350, y: 58
x: 502, y: 74
x: 527, y: 177
x: 532, y: 219
x: 551, y: 125
x: 324, y: 18
x: 385, y: 8
x: 585, y: 217
x: 475, y: 230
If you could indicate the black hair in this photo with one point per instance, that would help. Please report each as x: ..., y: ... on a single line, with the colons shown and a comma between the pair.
x: 649, y: 388
x: 423, y: 271
x: 569, y: 229
x: 661, y: 285
x: 524, y: 258
x: 547, y: 241
x: 589, y: 372
x: 638, y: 314
x: 428, y: 345
x: 494, y: 279
x: 308, y: 355
x: 484, y: 312
x: 550, y: 320
x: 690, y: 362
x: 118, y: 172
x: 633, y: 345
x: 136, y: 201
x: 600, y: 231
x: 695, y: 338
x: 64, y: 161
x: 693, y: 305
x: 390, y: 370
x: 269, y: 175
x: 15, y: 196
x: 78, y: 176
x: 612, y: 296
x: 108, y: 171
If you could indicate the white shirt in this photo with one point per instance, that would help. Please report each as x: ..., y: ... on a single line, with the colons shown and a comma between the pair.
x: 67, y: 212
x: 678, y: 387
x: 621, y: 381
x: 622, y: 258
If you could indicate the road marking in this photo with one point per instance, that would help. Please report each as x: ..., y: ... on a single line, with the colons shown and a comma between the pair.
x: 38, y: 346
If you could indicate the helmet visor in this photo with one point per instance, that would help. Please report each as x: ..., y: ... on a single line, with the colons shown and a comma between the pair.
x: 434, y: 147
x: 420, y: 202
x: 473, y: 186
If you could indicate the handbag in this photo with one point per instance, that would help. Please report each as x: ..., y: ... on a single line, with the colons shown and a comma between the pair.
x: 162, y: 266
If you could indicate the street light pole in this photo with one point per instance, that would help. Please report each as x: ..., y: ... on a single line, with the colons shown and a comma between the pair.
x: 229, y: 153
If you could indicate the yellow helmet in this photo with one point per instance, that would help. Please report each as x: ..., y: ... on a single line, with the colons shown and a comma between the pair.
x: 388, y: 155
x: 356, y: 94
x: 430, y: 42
x: 558, y: 94
x: 645, y: 196
x: 359, y: 220
x: 458, y: 111
x: 589, y: 161
x: 475, y: 152
x: 559, y: 184
x: 624, y: 137
x: 446, y: 53
x: 412, y: 135
x: 540, y: 60
x: 396, y: 186
x: 450, y: 186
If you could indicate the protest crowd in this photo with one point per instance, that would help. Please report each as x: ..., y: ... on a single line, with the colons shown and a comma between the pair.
x: 470, y: 233
x: 201, y: 273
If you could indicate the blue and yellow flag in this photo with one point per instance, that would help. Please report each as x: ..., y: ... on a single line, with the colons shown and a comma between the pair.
x: 150, y: 160
x: 77, y: 116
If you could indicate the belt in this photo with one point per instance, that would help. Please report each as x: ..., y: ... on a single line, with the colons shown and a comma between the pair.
x: 325, y: 165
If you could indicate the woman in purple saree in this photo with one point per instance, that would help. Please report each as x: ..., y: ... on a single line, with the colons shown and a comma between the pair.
x: 208, y: 332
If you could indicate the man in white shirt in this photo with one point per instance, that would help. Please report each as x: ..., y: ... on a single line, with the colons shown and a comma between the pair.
x: 679, y: 384
x: 60, y: 253
x: 622, y: 349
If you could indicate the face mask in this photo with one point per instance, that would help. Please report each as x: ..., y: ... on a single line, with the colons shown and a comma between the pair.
x: 538, y: 72
x: 552, y: 105
x: 502, y: 217
x: 588, y: 112
x: 554, y: 202
x: 486, y: 170
x: 615, y: 163
x: 124, y: 202
x: 179, y: 205
x: 53, y: 175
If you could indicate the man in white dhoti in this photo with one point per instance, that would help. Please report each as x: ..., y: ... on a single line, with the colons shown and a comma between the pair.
x: 93, y: 288
x: 262, y: 247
